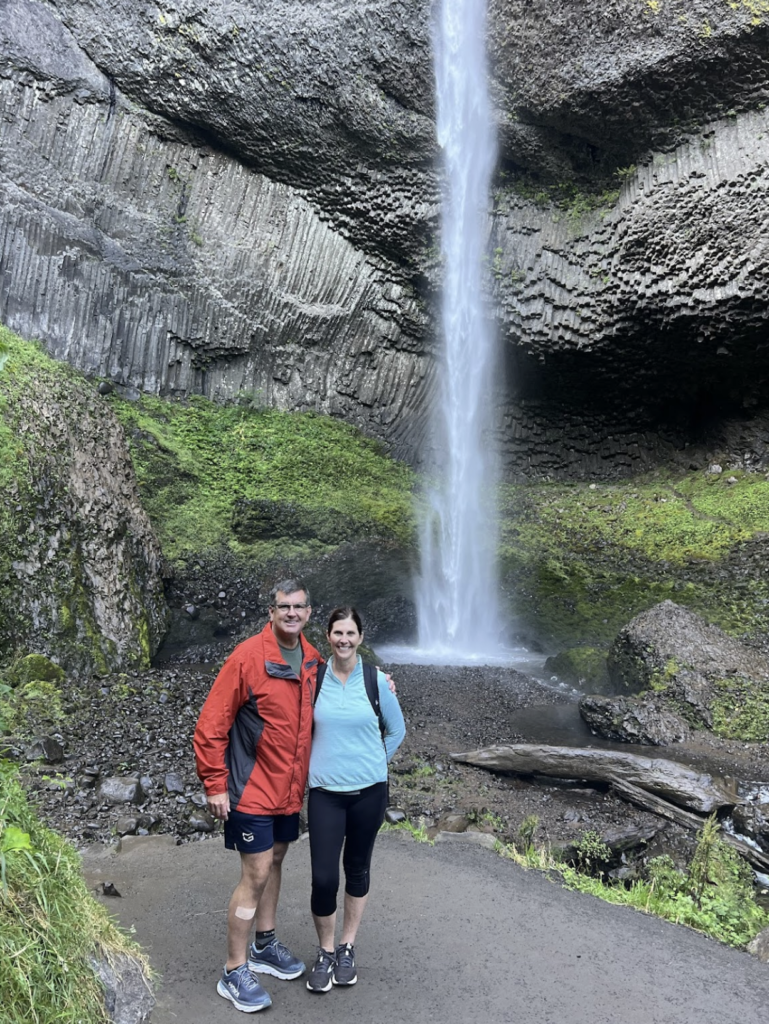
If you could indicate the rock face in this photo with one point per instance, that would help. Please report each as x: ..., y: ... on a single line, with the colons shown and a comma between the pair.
x: 684, y: 666
x: 84, y: 582
x: 216, y: 198
x: 143, y: 251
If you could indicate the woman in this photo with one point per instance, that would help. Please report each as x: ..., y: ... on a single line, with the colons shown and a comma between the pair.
x: 348, y: 794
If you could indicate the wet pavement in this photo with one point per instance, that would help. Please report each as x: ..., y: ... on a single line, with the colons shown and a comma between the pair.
x: 452, y: 933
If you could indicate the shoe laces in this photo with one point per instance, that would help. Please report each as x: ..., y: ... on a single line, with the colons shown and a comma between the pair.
x: 282, y: 952
x: 345, y: 955
x: 324, y: 959
x: 245, y: 979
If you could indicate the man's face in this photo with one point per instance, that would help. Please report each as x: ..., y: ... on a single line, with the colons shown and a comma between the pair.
x: 289, y: 615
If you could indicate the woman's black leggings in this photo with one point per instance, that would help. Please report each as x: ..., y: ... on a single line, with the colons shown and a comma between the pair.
x: 334, y: 819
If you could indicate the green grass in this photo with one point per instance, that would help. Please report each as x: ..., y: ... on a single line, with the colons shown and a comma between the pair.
x: 195, y: 462
x: 713, y: 894
x: 49, y: 923
x: 417, y: 832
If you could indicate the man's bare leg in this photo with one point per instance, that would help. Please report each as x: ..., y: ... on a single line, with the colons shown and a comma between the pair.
x: 255, y: 869
x: 267, y: 906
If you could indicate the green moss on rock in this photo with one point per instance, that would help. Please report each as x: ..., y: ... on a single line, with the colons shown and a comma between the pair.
x: 74, y: 541
x: 261, y: 483
x: 741, y: 709
x: 34, y: 667
x: 584, y: 559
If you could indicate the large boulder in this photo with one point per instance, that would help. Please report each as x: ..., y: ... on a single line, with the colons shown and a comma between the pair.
x: 632, y: 720
x: 684, y: 666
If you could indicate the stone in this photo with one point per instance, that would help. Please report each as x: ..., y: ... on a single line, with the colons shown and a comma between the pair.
x: 120, y: 790
x: 128, y: 997
x: 35, y: 668
x: 751, y: 819
x: 173, y: 783
x: 759, y: 946
x: 632, y: 720
x: 45, y: 748
x: 394, y: 816
x: 126, y: 826
x: 684, y: 665
x: 472, y: 838
x: 201, y: 821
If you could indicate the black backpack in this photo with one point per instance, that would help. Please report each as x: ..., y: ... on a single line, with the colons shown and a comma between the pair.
x: 372, y: 691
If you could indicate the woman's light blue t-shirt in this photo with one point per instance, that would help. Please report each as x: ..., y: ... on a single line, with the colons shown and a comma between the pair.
x: 347, y: 750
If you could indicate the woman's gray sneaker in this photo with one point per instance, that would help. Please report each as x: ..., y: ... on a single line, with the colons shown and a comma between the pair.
x: 243, y: 990
x: 344, y: 971
x: 321, y: 975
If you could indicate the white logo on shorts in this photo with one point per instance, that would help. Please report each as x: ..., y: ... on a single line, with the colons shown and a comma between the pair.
x: 248, y: 837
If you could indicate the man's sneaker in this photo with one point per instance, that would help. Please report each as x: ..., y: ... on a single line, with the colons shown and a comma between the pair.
x: 243, y: 990
x: 275, y: 959
x: 322, y: 971
x: 344, y: 971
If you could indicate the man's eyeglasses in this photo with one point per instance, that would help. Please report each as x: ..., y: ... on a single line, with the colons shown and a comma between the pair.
x: 290, y: 607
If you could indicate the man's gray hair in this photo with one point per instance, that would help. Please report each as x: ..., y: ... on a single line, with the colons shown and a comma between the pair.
x: 288, y: 587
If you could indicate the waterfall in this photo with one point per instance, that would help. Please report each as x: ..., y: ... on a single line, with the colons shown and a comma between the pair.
x: 457, y: 591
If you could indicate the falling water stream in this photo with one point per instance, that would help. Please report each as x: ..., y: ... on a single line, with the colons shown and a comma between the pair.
x: 457, y: 591
x: 459, y: 614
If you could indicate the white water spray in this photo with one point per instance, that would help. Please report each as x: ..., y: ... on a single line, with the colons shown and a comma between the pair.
x: 457, y: 592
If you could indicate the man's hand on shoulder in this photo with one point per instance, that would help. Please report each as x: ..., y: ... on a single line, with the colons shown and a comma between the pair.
x: 219, y: 805
x: 390, y: 680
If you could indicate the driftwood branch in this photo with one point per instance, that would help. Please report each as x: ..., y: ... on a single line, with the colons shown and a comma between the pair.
x: 666, y: 788
x: 674, y: 782
x: 649, y: 802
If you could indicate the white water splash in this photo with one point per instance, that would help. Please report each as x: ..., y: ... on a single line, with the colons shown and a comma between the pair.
x: 457, y: 592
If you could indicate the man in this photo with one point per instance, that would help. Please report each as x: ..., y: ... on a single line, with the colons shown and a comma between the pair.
x: 252, y: 749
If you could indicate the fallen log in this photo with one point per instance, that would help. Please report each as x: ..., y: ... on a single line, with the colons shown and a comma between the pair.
x: 649, y: 802
x: 675, y: 782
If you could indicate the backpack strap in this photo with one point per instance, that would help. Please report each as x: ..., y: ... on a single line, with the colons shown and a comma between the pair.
x: 319, y: 682
x: 372, y: 691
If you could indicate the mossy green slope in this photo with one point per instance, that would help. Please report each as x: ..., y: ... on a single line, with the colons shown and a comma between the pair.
x: 583, y: 559
x: 208, y: 473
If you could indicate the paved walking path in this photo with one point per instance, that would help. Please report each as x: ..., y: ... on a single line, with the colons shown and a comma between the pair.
x: 452, y: 933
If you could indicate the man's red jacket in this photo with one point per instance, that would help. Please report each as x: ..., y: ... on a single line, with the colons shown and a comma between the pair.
x: 255, y: 729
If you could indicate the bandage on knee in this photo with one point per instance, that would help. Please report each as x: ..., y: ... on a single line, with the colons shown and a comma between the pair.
x: 245, y: 913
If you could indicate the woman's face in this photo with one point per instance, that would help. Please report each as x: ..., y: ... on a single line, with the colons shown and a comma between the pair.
x: 344, y: 637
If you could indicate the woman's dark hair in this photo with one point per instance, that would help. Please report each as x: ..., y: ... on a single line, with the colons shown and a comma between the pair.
x: 346, y: 612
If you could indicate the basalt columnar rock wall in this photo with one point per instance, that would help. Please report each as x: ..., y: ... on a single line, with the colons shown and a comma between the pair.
x: 207, y: 262
x: 215, y: 197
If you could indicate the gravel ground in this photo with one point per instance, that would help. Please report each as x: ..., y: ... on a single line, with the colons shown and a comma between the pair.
x: 139, y: 727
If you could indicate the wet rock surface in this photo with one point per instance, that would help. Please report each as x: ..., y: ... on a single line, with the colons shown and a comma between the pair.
x: 140, y: 726
x: 191, y: 164
x: 632, y: 720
